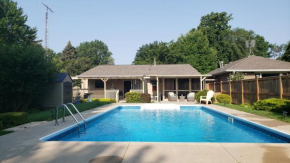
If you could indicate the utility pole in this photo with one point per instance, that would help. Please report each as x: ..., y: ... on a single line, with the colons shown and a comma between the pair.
x: 46, y: 25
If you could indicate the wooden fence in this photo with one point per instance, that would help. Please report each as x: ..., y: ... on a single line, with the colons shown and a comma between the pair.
x: 252, y: 90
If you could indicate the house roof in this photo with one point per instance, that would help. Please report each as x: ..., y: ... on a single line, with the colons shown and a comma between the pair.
x: 60, y: 77
x: 140, y: 71
x: 253, y: 64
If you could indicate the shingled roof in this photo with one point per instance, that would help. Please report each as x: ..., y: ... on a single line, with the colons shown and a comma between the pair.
x: 253, y: 64
x: 140, y: 71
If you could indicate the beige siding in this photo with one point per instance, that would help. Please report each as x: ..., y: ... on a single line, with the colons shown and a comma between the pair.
x: 67, y: 79
x: 53, y: 95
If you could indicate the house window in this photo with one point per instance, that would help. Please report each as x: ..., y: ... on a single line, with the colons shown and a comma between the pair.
x: 99, y: 84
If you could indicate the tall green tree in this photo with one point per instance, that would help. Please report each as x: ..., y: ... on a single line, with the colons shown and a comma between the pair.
x: 97, y: 51
x: 13, y: 28
x: 286, y: 55
x: 148, y: 52
x: 69, y: 52
x: 193, y: 48
x: 24, y: 72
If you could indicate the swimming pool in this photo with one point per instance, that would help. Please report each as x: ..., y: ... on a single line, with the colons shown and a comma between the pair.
x: 170, y: 123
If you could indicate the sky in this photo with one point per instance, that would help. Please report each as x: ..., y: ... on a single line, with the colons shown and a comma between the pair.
x: 126, y: 25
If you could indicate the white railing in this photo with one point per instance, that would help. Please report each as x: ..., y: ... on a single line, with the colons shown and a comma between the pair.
x: 136, y: 90
x: 113, y: 94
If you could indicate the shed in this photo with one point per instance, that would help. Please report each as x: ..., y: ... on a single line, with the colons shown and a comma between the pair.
x: 58, y: 92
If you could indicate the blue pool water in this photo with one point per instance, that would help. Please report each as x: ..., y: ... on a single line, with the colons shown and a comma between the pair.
x: 185, y: 124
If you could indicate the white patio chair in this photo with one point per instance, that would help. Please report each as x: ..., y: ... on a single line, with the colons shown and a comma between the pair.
x: 208, y: 97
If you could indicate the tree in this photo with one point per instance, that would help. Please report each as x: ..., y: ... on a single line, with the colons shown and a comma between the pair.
x: 97, y: 51
x: 25, y: 71
x: 13, y: 29
x: 286, y: 55
x: 215, y: 26
x: 148, y: 52
x: 69, y: 52
x: 193, y: 48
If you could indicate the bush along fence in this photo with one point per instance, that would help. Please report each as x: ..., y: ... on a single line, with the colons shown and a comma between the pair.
x: 252, y: 90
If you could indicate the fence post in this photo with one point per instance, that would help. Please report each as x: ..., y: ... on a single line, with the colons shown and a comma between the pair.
x: 221, y: 85
x: 242, y: 87
x: 214, y: 86
x: 230, y: 88
x: 281, y: 86
x: 258, y: 88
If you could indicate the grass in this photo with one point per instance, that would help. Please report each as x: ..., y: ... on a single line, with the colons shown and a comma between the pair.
x: 48, y: 114
x: 5, y: 132
x: 263, y: 113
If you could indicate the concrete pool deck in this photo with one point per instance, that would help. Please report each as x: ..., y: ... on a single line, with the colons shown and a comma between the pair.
x: 24, y: 145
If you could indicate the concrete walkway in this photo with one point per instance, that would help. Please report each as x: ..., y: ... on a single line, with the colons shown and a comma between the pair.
x: 24, y: 146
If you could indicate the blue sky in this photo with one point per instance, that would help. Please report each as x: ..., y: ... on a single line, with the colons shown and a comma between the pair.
x: 128, y: 24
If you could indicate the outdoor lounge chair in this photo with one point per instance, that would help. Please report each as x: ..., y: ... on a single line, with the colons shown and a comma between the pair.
x: 172, y: 96
x: 208, y: 97
x: 191, y: 96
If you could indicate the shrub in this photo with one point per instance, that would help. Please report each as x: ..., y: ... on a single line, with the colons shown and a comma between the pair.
x: 84, y: 100
x: 105, y: 100
x: 223, y: 98
x: 133, y: 97
x: 146, y: 98
x: 273, y: 104
x: 246, y: 105
x: 13, y: 118
x: 202, y: 93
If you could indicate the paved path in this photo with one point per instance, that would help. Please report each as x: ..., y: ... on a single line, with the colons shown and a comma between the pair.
x: 24, y: 146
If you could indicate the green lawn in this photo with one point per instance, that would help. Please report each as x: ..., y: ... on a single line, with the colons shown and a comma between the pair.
x: 47, y: 115
x: 5, y: 132
x: 268, y: 114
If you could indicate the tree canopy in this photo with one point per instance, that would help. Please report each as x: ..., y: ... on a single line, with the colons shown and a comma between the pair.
x: 147, y: 53
x: 217, y: 41
x: 97, y: 51
x: 13, y: 28
x: 286, y: 55
x: 25, y: 67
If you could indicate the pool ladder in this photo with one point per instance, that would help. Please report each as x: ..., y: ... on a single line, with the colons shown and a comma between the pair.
x: 63, y: 116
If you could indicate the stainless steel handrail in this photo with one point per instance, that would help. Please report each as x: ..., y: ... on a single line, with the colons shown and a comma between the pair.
x: 63, y: 115
x: 85, y: 122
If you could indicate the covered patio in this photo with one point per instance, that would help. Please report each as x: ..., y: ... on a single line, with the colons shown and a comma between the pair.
x: 114, y: 81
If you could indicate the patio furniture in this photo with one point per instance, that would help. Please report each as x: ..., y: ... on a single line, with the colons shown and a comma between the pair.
x: 181, y: 98
x: 191, y: 96
x: 208, y: 97
x: 172, y: 96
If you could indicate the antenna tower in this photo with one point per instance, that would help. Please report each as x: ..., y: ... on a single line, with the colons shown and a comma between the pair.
x: 46, y: 24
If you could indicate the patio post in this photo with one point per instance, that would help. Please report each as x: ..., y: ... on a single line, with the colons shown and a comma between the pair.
x: 200, y: 82
x: 143, y: 83
x: 157, y: 91
x: 105, y: 85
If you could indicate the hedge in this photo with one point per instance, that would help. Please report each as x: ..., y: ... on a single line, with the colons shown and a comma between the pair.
x: 13, y: 118
x: 273, y: 104
x: 223, y: 98
x: 146, y: 98
x: 202, y: 93
x: 133, y: 97
x: 99, y: 100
